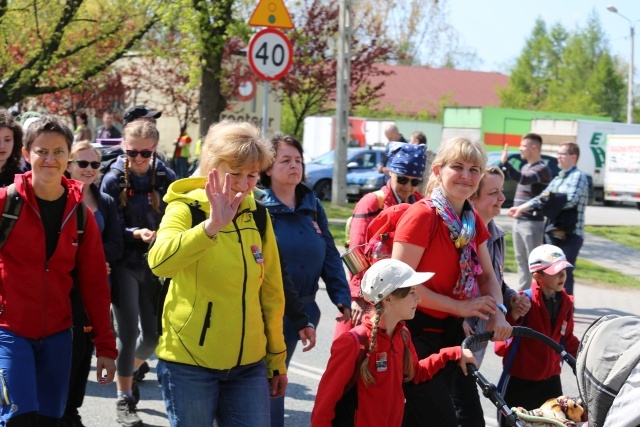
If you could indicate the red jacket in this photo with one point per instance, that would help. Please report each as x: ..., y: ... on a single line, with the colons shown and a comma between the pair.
x: 34, y: 291
x: 534, y: 360
x: 365, y: 211
x: 382, y: 403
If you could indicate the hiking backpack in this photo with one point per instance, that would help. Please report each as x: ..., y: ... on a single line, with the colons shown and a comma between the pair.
x: 347, y: 227
x: 608, y: 353
x: 12, y: 207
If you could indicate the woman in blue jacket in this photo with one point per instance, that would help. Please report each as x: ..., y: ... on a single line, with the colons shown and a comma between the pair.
x: 305, y: 243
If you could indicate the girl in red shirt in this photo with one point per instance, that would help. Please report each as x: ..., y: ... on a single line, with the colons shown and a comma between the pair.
x: 390, y: 359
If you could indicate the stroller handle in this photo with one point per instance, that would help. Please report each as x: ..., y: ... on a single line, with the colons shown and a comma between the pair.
x: 521, y: 331
x: 488, y: 389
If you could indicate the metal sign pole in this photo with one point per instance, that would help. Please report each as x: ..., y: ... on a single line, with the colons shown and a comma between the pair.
x: 265, y: 107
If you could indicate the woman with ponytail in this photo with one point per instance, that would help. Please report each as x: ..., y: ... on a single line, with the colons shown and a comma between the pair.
x: 137, y: 180
x: 391, y: 287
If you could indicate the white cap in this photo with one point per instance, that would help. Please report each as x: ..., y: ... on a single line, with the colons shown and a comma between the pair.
x: 387, y: 275
x: 548, y: 258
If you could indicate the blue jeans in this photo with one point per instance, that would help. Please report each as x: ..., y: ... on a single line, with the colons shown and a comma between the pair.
x: 34, y: 374
x: 195, y: 396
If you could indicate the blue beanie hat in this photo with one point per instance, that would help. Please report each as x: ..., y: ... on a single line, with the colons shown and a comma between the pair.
x: 406, y: 159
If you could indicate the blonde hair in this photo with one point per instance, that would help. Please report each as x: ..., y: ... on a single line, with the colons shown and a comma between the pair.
x: 147, y: 130
x: 457, y: 149
x: 82, y: 146
x: 407, y: 363
x: 238, y: 144
x: 491, y: 170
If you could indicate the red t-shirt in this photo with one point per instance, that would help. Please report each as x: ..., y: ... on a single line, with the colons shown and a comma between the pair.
x: 440, y: 256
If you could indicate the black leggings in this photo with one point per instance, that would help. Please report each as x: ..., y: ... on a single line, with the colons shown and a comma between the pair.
x: 431, y: 400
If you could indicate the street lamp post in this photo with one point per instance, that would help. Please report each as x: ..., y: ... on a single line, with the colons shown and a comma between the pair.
x: 630, y: 88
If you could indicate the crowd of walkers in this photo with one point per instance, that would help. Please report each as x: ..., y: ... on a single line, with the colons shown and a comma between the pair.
x: 217, y: 274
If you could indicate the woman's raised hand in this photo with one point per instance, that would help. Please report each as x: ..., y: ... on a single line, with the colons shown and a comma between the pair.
x: 223, y: 203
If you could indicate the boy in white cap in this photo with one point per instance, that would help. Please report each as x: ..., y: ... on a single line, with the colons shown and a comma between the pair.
x: 378, y: 355
x: 534, y: 370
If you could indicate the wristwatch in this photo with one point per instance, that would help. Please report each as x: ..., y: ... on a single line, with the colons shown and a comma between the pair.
x: 503, y: 309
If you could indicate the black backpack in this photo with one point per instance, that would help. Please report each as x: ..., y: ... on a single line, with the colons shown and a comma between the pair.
x: 198, y: 216
x: 13, y: 206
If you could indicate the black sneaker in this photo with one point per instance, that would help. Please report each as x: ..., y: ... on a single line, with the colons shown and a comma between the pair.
x: 139, y: 374
x: 72, y: 420
x: 135, y: 391
x: 126, y: 412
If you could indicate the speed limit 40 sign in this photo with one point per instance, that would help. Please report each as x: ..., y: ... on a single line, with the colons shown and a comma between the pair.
x: 270, y: 54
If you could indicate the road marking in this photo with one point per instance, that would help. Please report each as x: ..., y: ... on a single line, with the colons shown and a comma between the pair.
x: 304, y: 373
x: 307, y: 367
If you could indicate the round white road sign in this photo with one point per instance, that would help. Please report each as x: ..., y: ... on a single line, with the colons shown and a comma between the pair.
x: 270, y: 54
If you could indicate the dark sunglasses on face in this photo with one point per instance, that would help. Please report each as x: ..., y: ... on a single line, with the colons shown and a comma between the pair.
x: 402, y: 180
x: 144, y: 153
x: 83, y: 164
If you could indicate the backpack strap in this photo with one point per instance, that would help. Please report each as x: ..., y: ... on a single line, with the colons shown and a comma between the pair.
x: 197, y: 216
x: 513, y: 348
x: 81, y: 220
x: 260, y: 217
x: 361, y: 344
x: 380, y: 196
x: 12, y: 208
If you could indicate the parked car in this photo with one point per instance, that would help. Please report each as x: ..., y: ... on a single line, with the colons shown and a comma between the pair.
x: 509, y: 188
x: 362, y: 173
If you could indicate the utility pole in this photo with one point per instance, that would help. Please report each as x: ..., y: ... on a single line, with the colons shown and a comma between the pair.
x: 339, y: 187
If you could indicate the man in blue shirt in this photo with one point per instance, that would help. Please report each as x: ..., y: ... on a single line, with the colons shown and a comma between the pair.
x: 573, y: 184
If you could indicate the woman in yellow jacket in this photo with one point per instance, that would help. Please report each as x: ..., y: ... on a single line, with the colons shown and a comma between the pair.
x: 222, y: 351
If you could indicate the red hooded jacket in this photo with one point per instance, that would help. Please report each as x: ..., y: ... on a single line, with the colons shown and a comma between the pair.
x: 34, y: 291
x: 382, y: 403
x: 534, y: 360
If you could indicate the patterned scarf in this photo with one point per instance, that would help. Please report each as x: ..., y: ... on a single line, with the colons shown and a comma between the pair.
x: 461, y: 233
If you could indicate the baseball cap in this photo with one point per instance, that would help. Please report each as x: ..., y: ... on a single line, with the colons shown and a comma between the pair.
x: 387, y: 275
x: 138, y: 112
x: 548, y: 258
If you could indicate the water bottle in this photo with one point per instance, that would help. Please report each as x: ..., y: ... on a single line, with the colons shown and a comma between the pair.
x: 381, y: 249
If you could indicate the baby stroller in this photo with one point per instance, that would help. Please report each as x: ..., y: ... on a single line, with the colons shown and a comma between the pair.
x: 607, y: 371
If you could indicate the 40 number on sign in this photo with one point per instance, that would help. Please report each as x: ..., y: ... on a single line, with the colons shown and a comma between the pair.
x: 270, y: 54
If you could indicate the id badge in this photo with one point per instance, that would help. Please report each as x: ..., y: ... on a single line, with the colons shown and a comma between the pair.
x: 257, y: 255
x: 381, y: 362
x: 317, y: 227
x: 563, y: 329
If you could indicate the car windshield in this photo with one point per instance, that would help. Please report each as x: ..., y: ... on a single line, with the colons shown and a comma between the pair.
x: 327, y: 158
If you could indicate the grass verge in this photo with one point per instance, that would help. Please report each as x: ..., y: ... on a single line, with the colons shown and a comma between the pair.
x: 629, y: 236
x: 338, y: 212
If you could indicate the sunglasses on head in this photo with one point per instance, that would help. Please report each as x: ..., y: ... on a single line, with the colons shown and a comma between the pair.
x: 144, y: 153
x: 402, y: 180
x: 83, y: 164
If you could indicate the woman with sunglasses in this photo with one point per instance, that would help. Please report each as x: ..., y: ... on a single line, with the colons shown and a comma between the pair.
x: 137, y: 180
x: 406, y: 166
x: 446, y: 235
x: 83, y: 165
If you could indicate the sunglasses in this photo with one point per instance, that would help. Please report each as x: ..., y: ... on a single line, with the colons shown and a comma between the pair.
x: 144, y: 153
x: 83, y: 164
x: 402, y: 180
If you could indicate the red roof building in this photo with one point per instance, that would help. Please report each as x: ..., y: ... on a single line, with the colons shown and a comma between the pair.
x: 410, y: 90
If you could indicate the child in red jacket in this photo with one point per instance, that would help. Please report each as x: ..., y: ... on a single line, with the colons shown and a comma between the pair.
x: 534, y: 374
x: 390, y: 285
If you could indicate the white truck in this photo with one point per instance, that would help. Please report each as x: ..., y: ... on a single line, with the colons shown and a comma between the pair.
x: 622, y: 169
x: 591, y: 137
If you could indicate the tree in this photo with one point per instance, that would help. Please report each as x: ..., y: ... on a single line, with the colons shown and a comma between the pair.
x: 310, y: 86
x: 564, y: 71
x: 62, y: 44
x: 104, y: 92
x: 421, y: 31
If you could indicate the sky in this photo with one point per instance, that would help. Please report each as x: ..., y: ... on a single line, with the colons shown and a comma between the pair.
x: 497, y: 29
